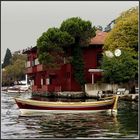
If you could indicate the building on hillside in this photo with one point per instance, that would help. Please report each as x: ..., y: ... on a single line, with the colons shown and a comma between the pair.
x: 62, y: 79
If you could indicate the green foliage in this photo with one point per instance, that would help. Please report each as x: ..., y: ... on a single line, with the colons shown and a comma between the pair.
x: 53, y: 45
x: 7, y: 58
x: 124, y: 34
x: 80, y: 29
x: 16, y: 70
x: 50, y: 46
x: 18, y: 57
x: 120, y: 69
x: 78, y: 65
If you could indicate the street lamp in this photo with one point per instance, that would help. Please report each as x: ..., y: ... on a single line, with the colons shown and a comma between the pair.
x: 109, y: 54
x: 117, y: 53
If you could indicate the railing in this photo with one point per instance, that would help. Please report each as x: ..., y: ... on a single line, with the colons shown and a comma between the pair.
x: 32, y: 63
x: 34, y: 88
x: 45, y: 88
x: 40, y: 67
x: 54, y: 88
x: 57, y: 88
x: 29, y: 70
x: 35, y: 66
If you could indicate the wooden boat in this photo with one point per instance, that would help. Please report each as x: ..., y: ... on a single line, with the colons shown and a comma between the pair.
x: 33, y: 106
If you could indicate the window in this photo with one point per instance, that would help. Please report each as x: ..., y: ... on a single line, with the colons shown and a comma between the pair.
x: 52, y: 79
x: 99, y: 58
x: 32, y: 83
x: 28, y: 64
x: 33, y: 63
x: 47, y: 81
x: 36, y: 61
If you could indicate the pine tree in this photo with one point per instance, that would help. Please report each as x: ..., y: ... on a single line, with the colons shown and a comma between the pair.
x: 7, y: 58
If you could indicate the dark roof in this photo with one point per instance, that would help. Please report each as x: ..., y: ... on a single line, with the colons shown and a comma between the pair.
x: 29, y: 49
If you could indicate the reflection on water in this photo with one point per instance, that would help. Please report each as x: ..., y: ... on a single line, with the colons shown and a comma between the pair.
x: 81, y: 125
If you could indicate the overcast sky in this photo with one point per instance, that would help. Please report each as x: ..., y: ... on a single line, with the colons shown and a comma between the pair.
x: 22, y: 23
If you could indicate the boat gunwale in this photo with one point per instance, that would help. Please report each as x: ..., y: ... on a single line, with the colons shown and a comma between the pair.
x: 46, y: 103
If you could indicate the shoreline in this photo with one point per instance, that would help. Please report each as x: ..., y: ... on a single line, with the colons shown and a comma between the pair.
x: 82, y: 95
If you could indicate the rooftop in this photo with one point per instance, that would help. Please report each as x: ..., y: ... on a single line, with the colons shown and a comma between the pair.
x: 99, y: 38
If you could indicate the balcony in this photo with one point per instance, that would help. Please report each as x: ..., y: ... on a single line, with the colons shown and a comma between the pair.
x: 29, y: 70
x: 39, y: 67
x: 54, y: 88
x: 46, y: 88
x: 43, y: 88
x: 34, y: 88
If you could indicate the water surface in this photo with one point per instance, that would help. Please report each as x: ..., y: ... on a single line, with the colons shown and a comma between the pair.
x: 80, y: 125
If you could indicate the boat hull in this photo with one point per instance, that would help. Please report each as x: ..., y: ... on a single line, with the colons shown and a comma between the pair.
x: 27, y: 106
x: 34, y: 107
x: 32, y: 112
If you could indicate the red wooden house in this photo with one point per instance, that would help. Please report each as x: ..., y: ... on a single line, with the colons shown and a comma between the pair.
x: 62, y: 79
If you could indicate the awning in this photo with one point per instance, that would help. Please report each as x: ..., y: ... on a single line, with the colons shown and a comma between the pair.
x: 95, y: 70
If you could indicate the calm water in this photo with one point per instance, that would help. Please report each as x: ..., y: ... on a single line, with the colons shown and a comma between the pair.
x: 82, y: 125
